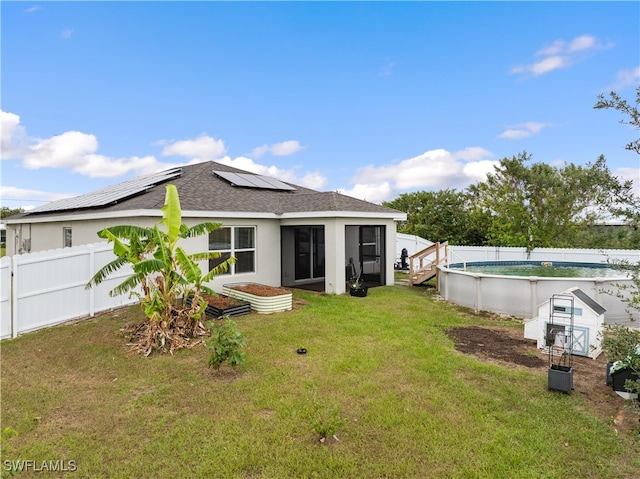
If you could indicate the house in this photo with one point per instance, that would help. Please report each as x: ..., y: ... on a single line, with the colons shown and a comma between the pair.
x: 280, y: 234
x: 588, y: 322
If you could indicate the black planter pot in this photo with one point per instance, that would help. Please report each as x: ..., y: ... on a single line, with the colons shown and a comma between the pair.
x: 560, y: 378
x: 359, y: 292
x: 240, y: 310
x: 620, y: 377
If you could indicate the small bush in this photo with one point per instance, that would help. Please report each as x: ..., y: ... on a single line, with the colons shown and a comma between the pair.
x: 226, y: 344
x: 326, y: 419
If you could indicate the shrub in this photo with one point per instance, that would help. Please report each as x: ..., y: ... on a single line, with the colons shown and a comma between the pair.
x: 226, y: 344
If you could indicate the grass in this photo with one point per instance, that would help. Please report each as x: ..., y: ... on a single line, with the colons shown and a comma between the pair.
x: 405, y: 402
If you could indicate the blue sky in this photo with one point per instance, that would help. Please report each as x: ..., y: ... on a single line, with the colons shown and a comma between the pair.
x: 372, y: 99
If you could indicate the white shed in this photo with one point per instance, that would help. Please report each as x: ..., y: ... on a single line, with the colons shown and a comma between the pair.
x: 588, y: 324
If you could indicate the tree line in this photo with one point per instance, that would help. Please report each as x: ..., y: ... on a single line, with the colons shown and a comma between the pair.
x: 534, y: 204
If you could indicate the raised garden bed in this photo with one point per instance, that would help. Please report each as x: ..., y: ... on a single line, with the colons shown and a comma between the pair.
x: 221, y: 305
x: 264, y: 299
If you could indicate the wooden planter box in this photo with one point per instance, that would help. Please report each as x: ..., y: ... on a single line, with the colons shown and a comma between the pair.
x: 268, y: 300
x: 560, y: 378
x: 238, y: 308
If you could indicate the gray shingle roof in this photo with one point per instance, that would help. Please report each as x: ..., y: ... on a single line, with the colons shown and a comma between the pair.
x: 201, y: 190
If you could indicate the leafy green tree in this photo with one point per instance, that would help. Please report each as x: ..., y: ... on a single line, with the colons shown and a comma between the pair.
x: 630, y: 211
x: 440, y: 216
x: 628, y: 293
x: 5, y: 211
x: 540, y: 205
x: 164, y: 275
x: 631, y: 113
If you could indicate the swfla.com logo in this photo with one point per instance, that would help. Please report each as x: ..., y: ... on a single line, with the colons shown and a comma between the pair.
x: 58, y: 465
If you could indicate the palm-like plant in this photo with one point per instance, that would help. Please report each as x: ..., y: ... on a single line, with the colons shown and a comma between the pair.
x: 164, y: 275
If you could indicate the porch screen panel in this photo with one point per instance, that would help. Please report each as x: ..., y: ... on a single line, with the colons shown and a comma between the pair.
x: 303, y: 253
x: 318, y: 252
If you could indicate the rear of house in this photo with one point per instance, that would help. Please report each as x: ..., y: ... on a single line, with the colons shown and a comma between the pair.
x: 280, y: 234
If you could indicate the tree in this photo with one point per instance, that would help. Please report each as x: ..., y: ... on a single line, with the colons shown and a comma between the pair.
x: 440, y: 216
x: 545, y: 206
x: 631, y: 113
x: 630, y: 213
x: 628, y: 293
x: 5, y: 211
x: 163, y: 277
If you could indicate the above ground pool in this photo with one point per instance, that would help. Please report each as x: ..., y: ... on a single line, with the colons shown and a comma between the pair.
x: 545, y: 269
x: 517, y: 288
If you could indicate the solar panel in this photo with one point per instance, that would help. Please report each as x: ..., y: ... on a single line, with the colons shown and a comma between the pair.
x: 248, y: 180
x: 110, y: 194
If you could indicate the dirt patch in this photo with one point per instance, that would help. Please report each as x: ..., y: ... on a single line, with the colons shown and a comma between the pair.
x: 496, y: 344
x: 260, y: 289
x: 507, y: 347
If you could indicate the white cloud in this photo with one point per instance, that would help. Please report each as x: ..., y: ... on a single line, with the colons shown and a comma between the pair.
x: 77, y: 151
x: 73, y: 150
x: 20, y: 193
x: 33, y: 9
x: 374, y: 193
x: 284, y: 148
x: 626, y: 78
x: 67, y: 150
x: 561, y: 54
x: 522, y: 130
x: 66, y: 33
x: 629, y: 173
x: 434, y: 169
x: 203, y: 147
x: 12, y: 135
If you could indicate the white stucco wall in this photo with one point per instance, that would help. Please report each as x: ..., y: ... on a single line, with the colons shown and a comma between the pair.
x: 46, y: 236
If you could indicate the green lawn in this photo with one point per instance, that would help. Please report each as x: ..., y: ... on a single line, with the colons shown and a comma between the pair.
x: 412, y: 406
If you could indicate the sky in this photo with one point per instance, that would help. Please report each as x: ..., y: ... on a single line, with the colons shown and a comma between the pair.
x: 371, y: 99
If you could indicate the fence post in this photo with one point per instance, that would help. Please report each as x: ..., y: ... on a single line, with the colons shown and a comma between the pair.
x: 14, y: 296
x: 92, y: 296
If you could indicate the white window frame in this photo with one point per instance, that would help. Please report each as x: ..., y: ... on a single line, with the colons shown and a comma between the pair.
x: 66, y: 229
x: 233, y: 250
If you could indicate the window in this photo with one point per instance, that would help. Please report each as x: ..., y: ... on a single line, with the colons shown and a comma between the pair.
x: 66, y: 237
x: 236, y: 241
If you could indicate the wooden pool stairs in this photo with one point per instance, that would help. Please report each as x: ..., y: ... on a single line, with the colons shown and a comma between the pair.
x: 423, y: 265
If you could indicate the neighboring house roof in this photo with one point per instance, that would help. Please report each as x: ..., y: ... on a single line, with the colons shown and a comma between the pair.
x: 202, y: 190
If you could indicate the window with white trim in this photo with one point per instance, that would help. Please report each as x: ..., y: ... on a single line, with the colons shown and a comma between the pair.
x: 66, y: 237
x: 236, y: 241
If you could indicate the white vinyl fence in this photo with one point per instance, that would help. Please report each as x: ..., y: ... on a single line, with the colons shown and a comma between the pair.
x: 42, y: 289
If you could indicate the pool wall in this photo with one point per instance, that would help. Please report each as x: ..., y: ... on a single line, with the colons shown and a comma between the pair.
x: 521, y: 295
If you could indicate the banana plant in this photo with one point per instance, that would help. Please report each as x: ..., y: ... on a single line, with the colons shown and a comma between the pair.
x: 165, y: 272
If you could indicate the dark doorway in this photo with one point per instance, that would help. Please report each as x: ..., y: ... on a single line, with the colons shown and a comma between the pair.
x: 372, y: 247
x: 303, y: 257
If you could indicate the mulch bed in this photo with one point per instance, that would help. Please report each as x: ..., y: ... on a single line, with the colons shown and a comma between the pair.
x: 260, y: 289
x: 220, y: 301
